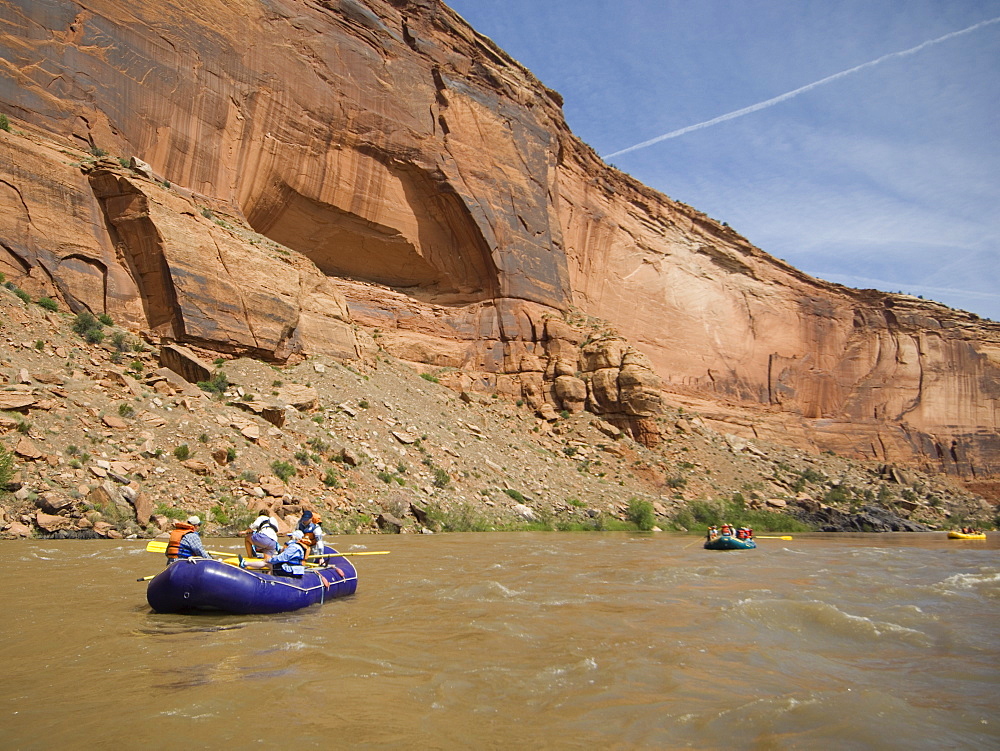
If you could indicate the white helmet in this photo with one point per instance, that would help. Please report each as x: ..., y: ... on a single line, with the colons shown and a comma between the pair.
x: 194, y: 520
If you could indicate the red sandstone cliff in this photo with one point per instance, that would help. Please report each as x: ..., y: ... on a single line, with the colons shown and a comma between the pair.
x: 334, y: 175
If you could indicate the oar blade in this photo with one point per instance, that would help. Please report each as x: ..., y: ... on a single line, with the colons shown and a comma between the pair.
x: 344, y: 555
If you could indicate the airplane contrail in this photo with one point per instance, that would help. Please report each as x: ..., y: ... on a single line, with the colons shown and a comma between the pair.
x: 801, y: 90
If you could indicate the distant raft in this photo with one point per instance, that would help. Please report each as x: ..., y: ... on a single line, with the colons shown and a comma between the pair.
x: 728, y: 542
x: 966, y: 535
x: 191, y: 585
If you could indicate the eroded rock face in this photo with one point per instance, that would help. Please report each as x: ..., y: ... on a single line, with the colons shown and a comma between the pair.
x: 425, y: 187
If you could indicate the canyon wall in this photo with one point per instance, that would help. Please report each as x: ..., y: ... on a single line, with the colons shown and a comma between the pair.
x: 337, y: 176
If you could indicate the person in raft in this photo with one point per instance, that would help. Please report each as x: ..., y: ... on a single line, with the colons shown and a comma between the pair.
x: 185, y: 542
x: 261, y: 539
x: 712, y: 533
x: 309, y: 524
x: 289, y: 561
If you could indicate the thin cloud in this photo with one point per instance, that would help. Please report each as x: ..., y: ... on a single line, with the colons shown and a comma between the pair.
x: 801, y: 90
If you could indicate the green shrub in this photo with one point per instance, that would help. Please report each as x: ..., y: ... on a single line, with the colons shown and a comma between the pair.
x: 4, y: 123
x: 230, y: 454
x: 105, y: 319
x: 516, y: 495
x: 318, y: 444
x: 441, y: 478
x: 429, y: 377
x: 330, y: 479
x: 389, y: 478
x: 120, y: 340
x: 699, y: 515
x: 463, y: 518
x: 90, y: 328
x: 48, y: 303
x: 125, y: 410
x: 282, y: 470
x: 25, y: 297
x: 182, y: 452
x: 6, y: 468
x: 641, y: 514
x: 839, y: 494
x: 216, y: 385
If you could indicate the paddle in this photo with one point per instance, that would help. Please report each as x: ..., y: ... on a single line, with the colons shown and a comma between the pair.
x: 765, y: 537
x: 146, y: 578
x: 159, y: 546
x: 339, y: 555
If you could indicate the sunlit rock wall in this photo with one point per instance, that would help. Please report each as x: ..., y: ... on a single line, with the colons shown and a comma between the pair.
x: 427, y: 186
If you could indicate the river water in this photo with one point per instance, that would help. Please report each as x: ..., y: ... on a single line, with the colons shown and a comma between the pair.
x: 522, y: 640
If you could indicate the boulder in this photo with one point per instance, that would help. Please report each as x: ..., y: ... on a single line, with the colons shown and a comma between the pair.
x: 302, y: 398
x: 16, y: 529
x: 197, y: 466
x: 114, y: 422
x: 525, y: 512
x: 54, y: 502
x: 26, y: 449
x: 142, y: 503
x: 273, y: 413
x: 53, y: 522
x: 16, y: 401
x: 389, y: 523
x: 273, y: 486
x: 184, y: 363
x: 571, y: 392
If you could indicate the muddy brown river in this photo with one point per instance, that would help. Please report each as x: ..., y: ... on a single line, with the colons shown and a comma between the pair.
x: 522, y: 640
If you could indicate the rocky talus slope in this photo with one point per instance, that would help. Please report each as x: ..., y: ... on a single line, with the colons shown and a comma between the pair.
x: 109, y: 437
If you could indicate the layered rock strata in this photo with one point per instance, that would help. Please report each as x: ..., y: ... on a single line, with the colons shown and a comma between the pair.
x: 319, y: 165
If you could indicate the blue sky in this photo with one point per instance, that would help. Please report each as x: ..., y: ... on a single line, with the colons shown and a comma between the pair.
x: 885, y: 177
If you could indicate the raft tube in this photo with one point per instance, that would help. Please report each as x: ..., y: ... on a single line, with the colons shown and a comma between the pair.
x: 728, y: 542
x: 963, y: 536
x: 204, y: 584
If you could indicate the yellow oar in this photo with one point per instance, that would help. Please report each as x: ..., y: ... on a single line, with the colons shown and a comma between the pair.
x: 159, y: 546
x: 765, y: 537
x: 341, y: 555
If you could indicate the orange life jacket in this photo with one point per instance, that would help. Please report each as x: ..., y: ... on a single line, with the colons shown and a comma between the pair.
x: 176, y: 534
x: 309, y: 538
x: 307, y: 541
